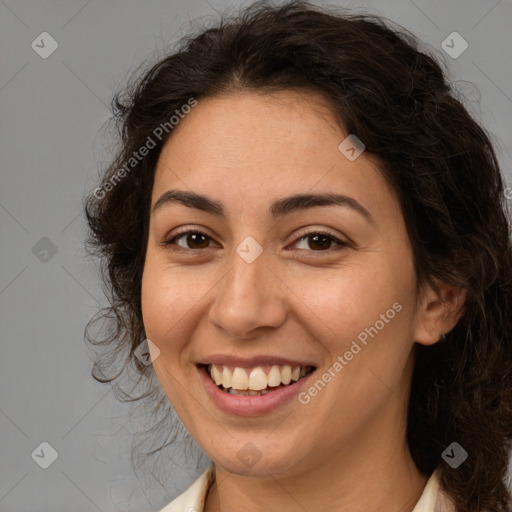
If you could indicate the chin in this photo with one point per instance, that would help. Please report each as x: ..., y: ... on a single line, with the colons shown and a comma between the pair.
x: 250, y: 461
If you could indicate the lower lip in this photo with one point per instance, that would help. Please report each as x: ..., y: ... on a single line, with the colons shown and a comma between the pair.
x: 250, y: 405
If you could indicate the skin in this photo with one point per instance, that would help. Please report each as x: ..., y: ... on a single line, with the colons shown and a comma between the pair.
x: 346, y: 449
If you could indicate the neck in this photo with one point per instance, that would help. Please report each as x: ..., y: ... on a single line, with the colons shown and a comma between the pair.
x: 360, y: 481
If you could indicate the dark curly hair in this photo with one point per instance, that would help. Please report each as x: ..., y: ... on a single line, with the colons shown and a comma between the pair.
x: 394, y: 95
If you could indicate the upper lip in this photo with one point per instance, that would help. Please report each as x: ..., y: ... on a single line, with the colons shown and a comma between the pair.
x: 251, y: 362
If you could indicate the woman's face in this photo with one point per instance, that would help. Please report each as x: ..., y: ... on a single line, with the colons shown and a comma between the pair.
x: 259, y: 290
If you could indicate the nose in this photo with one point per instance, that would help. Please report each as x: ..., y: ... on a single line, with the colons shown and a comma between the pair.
x: 249, y: 299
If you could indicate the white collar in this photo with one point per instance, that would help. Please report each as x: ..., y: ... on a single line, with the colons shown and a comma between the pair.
x: 193, y: 499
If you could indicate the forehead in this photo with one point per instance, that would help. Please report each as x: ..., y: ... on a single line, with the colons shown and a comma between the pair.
x: 279, y: 126
x: 264, y: 147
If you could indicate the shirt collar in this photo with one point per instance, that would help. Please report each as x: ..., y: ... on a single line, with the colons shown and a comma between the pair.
x: 432, y: 499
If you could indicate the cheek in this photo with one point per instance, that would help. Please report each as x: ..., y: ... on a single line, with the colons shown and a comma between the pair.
x: 172, y: 301
x: 163, y: 305
x: 341, y: 304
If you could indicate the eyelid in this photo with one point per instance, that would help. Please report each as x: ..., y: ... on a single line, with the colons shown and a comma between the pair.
x: 188, y: 229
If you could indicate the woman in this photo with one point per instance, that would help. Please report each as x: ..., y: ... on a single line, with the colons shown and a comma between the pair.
x: 309, y: 233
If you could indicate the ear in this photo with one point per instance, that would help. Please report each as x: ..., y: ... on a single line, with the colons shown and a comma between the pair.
x: 438, y: 312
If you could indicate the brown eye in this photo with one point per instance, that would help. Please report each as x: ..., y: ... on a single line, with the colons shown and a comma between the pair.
x: 320, y: 241
x: 193, y: 240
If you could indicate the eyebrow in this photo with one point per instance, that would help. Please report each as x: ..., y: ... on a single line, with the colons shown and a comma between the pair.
x: 279, y: 208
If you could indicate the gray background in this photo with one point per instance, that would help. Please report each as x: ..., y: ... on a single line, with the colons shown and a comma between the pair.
x: 51, y: 112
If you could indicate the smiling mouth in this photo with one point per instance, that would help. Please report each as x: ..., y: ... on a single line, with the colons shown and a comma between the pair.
x: 256, y: 381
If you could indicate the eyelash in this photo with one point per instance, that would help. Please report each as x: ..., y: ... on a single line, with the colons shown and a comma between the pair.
x: 169, y: 242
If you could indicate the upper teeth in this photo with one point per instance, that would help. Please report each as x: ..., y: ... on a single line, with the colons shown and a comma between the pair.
x: 257, y: 379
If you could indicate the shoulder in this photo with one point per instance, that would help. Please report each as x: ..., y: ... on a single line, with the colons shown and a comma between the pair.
x: 433, y: 498
x: 192, y: 500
